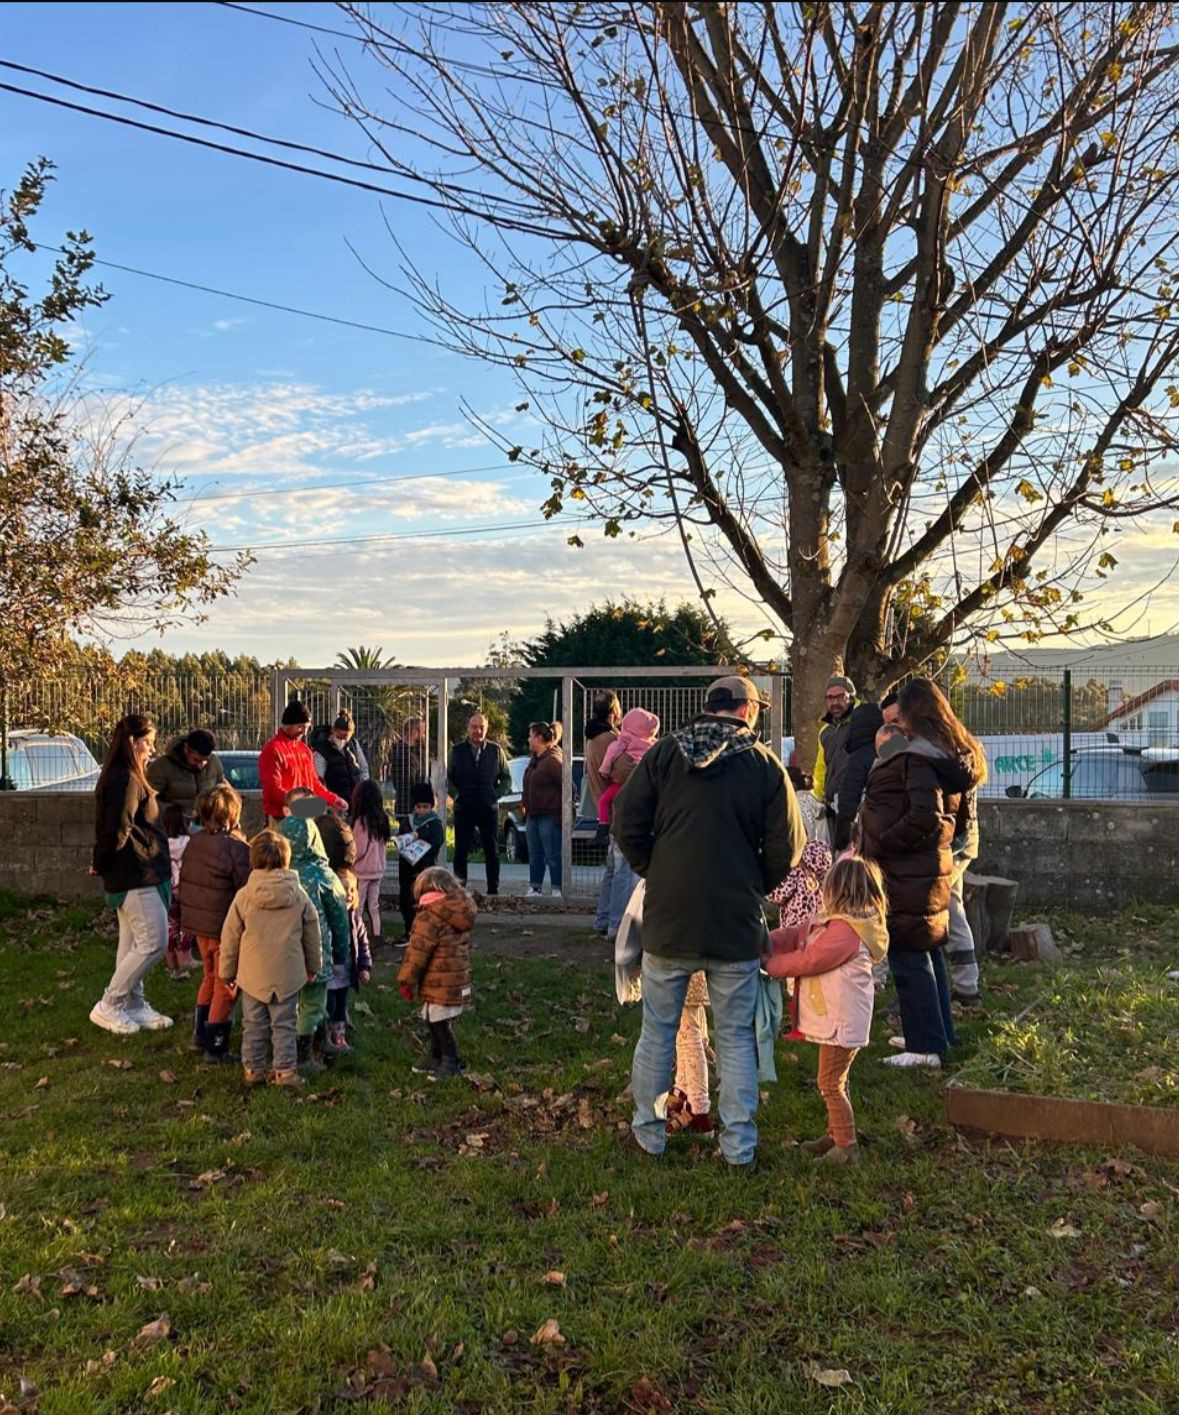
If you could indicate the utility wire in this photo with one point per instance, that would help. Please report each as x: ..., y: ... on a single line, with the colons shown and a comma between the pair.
x: 446, y: 531
x: 287, y: 20
x: 193, y: 117
x: 252, y: 300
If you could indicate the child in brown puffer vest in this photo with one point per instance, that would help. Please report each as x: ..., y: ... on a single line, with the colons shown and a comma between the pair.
x: 437, y: 965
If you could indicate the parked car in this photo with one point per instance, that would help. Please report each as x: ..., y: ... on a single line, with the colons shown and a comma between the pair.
x: 511, y: 815
x: 50, y: 761
x: 1112, y: 773
x: 241, y: 769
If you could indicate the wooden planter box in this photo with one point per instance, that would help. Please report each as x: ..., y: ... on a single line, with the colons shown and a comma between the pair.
x: 1153, y: 1129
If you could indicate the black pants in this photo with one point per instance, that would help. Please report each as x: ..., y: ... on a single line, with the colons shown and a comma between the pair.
x: 337, y: 1005
x: 442, y: 1041
x: 485, y: 820
x: 406, y: 875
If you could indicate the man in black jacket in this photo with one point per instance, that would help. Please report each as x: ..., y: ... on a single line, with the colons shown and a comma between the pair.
x: 477, y: 776
x: 859, y: 755
x: 710, y: 821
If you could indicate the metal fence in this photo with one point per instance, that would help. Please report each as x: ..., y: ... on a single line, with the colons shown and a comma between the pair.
x: 1052, y: 732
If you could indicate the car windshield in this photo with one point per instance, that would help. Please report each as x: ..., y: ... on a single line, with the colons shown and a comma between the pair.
x: 518, y: 766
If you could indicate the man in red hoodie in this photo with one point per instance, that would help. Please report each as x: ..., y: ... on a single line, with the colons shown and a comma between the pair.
x: 286, y: 761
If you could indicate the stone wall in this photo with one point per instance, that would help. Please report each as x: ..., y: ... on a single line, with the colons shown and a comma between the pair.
x: 1083, y: 855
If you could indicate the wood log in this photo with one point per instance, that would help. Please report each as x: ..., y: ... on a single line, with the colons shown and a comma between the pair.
x: 990, y: 906
x: 1034, y: 944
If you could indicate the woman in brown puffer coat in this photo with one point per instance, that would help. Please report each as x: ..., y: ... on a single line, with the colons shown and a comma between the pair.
x: 437, y: 964
x: 915, y: 796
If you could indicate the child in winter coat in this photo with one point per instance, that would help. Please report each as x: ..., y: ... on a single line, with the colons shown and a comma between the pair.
x: 372, y: 832
x: 216, y: 865
x: 309, y: 861
x: 437, y: 964
x: 269, y: 950
x: 689, y: 1104
x: 179, y: 954
x: 637, y: 734
x: 426, y: 824
x: 833, y: 958
x: 799, y: 897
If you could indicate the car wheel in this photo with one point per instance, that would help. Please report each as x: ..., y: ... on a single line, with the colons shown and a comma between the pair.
x: 515, y: 849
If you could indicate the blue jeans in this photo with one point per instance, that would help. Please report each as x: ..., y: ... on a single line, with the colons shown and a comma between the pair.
x: 923, y: 994
x: 602, y: 913
x: 544, y: 846
x: 622, y: 886
x: 732, y: 986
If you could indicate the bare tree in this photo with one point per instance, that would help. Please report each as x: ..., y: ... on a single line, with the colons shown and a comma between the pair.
x: 874, y: 302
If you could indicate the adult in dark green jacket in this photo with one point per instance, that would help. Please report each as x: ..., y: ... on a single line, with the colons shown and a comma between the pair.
x: 188, y: 769
x: 710, y: 821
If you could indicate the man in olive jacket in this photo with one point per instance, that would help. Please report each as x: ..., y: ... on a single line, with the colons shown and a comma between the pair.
x: 711, y: 822
x: 189, y: 769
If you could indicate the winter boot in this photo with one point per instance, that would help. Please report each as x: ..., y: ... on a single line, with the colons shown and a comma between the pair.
x: 200, y: 1022
x: 217, y: 1051
x: 307, y: 1062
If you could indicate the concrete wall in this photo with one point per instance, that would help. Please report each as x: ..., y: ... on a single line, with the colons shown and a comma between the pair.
x: 1082, y: 855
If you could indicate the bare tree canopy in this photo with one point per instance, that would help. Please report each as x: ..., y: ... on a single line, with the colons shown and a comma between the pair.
x: 876, y: 301
x: 86, y: 541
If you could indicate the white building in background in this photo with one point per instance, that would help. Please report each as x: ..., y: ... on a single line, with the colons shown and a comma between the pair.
x: 1127, y: 663
x: 1150, y: 717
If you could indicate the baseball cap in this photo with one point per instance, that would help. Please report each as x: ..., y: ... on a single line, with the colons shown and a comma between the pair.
x: 728, y: 692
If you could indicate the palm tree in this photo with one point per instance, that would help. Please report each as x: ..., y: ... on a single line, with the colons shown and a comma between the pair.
x: 379, y: 708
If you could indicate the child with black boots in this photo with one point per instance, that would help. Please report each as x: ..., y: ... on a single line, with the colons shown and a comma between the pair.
x: 270, y: 950
x: 179, y: 954
x: 437, y: 964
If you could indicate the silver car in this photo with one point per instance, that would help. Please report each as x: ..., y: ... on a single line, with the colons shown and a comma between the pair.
x: 50, y: 761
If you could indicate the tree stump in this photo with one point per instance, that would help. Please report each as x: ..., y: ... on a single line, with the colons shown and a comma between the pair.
x: 990, y: 904
x: 1033, y: 943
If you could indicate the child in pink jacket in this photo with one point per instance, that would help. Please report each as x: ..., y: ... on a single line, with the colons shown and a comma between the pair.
x: 833, y: 957
x: 637, y: 735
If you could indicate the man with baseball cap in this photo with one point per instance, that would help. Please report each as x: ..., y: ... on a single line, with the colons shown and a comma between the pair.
x: 710, y: 821
x: 286, y: 762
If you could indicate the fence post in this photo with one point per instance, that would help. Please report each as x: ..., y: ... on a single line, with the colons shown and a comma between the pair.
x: 1067, y: 713
x: 440, y: 761
x: 6, y: 782
x: 567, y: 785
x: 276, y: 699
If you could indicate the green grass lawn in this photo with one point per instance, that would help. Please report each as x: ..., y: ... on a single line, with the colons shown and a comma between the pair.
x: 169, y: 1242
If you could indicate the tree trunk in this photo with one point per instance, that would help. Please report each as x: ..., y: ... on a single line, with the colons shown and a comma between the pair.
x: 813, y: 660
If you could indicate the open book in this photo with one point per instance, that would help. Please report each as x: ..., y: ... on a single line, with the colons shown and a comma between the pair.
x: 411, y: 849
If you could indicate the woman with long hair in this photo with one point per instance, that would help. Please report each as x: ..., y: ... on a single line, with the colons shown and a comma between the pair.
x: 131, y: 856
x: 540, y: 796
x: 917, y: 801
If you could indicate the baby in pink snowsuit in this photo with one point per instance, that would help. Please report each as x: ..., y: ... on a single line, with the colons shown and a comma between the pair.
x: 638, y: 732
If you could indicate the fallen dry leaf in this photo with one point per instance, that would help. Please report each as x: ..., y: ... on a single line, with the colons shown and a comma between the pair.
x: 29, y: 1285
x: 108, y: 1360
x: 553, y: 1278
x: 118, y: 1063
x: 1063, y: 1229
x: 42, y: 1084
x: 1152, y: 1209
x: 832, y: 1379
x: 599, y: 1201
x: 907, y: 1126
x: 210, y: 1176
x: 159, y: 1386
x: 193, y: 1283
x: 168, y: 1077
x: 548, y: 1334
x: 428, y: 1369
x: 363, y: 1008
x: 619, y: 1041
x: 152, y: 1332
x: 149, y: 1284
x: 368, y: 1278
x: 581, y: 1025
x: 510, y: 1338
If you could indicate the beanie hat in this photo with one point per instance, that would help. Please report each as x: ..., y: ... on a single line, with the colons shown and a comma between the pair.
x: 841, y: 680
x: 294, y: 712
x: 423, y: 794
x: 201, y: 742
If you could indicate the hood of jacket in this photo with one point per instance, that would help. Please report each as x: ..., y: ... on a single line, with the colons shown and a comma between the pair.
x: 305, y: 840
x: 873, y: 933
x: 866, y: 721
x: 708, y: 740
x: 598, y: 729
x: 640, y: 723
x: 456, y: 913
x: 957, y: 774
x: 274, y: 889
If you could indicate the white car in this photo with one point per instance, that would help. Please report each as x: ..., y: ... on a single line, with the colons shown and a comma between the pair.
x: 50, y: 761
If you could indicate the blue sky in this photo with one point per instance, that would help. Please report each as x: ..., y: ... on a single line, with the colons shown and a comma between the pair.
x: 233, y: 398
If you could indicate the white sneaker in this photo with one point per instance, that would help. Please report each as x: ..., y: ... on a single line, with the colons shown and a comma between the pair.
x: 143, y: 1013
x: 914, y: 1058
x: 897, y: 1043
x: 534, y: 894
x: 111, y: 1019
x: 556, y: 894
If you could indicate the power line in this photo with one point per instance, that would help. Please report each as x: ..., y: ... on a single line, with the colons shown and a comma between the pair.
x: 340, y: 485
x: 192, y: 117
x: 445, y: 531
x: 449, y: 205
x: 287, y: 20
x: 253, y: 300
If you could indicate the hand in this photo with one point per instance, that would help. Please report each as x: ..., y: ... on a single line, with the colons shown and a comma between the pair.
x: 90, y: 870
x: 310, y: 977
x: 231, y: 988
x: 406, y: 992
x: 339, y: 804
x: 366, y: 977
